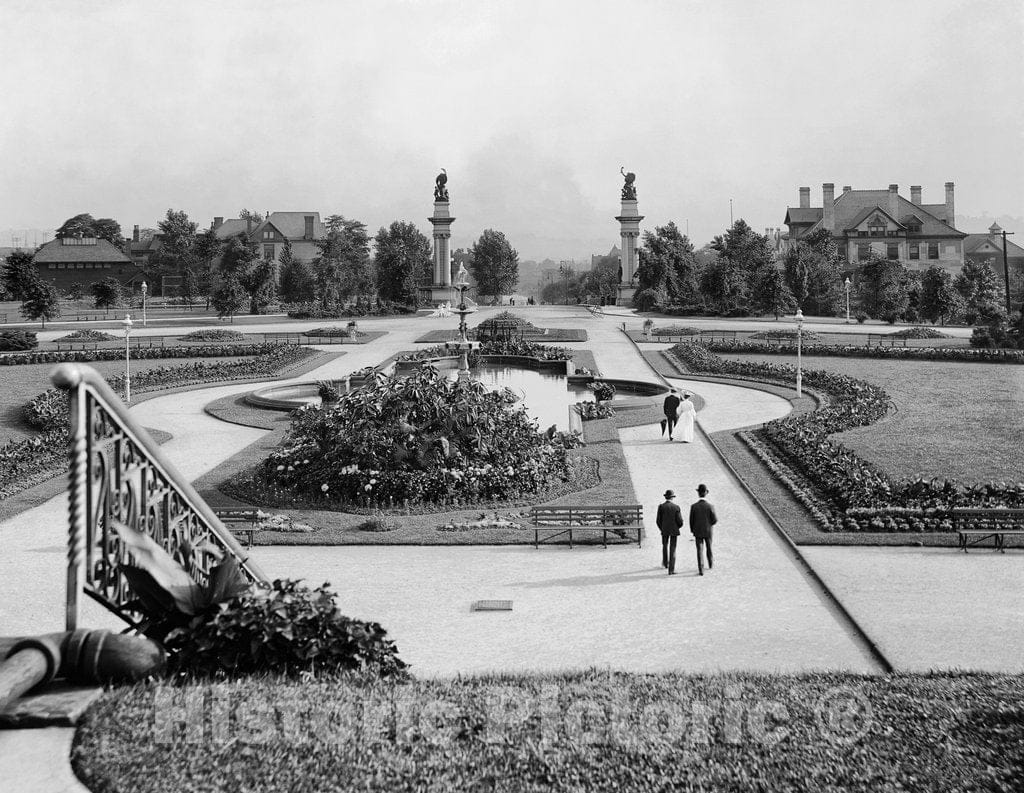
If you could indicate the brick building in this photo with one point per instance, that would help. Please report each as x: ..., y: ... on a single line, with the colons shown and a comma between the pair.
x: 83, y: 260
x: 989, y: 248
x: 301, y: 229
x: 883, y: 222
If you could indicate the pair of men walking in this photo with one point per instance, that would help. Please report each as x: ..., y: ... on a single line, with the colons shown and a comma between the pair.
x: 670, y: 521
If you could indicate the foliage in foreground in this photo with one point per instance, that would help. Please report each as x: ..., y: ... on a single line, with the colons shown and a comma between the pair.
x: 857, y: 496
x: 421, y: 437
x: 588, y: 731
x: 17, y: 340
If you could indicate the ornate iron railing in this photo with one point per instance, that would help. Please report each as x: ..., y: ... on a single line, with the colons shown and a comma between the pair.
x: 119, y: 475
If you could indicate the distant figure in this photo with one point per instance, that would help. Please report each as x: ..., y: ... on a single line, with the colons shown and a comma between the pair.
x: 702, y: 518
x: 687, y: 413
x: 671, y: 409
x: 440, y: 189
x: 670, y: 521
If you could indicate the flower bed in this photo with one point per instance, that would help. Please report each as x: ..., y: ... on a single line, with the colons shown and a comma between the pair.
x: 213, y: 334
x: 506, y: 319
x: 89, y: 335
x: 264, y: 351
x: 333, y: 330
x: 420, y: 438
x: 26, y: 462
x: 675, y: 330
x: 961, y: 354
x: 17, y: 340
x: 854, y: 494
x: 517, y: 347
x: 919, y: 332
x: 786, y: 333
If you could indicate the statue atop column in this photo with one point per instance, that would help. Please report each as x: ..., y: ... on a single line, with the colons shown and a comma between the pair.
x: 440, y: 191
x: 629, y: 188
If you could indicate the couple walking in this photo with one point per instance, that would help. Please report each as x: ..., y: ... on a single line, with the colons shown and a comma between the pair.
x: 670, y: 521
x: 678, y: 411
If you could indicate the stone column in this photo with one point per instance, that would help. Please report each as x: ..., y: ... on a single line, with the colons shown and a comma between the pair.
x: 441, y: 221
x: 629, y: 230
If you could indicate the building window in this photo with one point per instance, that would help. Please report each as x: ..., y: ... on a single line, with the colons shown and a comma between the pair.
x: 915, y: 251
x: 268, y: 234
x: 309, y: 227
x: 863, y: 251
x: 268, y: 252
x: 892, y: 251
x: 51, y: 266
x: 933, y: 250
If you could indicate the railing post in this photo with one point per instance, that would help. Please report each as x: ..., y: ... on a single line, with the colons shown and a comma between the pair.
x: 77, y: 508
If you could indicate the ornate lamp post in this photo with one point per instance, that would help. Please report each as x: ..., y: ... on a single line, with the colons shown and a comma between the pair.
x: 799, y: 334
x: 127, y: 322
x: 846, y: 284
x: 144, y: 288
x: 463, y: 345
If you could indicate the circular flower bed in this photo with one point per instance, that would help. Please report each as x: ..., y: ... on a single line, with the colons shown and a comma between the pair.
x: 421, y: 437
x: 213, y: 334
x: 920, y: 332
x: 785, y: 333
x: 88, y: 335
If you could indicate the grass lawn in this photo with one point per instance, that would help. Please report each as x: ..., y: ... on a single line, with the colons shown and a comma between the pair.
x: 589, y: 731
x: 963, y: 421
x: 22, y: 383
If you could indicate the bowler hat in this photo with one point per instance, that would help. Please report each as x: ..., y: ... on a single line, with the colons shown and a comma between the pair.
x: 670, y: 494
x: 702, y: 489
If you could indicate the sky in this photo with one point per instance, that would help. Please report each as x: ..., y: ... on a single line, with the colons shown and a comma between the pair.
x: 126, y: 109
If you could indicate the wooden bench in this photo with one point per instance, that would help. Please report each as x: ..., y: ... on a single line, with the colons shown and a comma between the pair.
x: 974, y: 526
x: 618, y: 518
x: 234, y: 518
x: 778, y: 338
x: 887, y: 338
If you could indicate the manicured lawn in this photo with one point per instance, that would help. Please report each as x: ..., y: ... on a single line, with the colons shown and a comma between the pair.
x: 959, y: 420
x: 22, y: 383
x: 592, y: 731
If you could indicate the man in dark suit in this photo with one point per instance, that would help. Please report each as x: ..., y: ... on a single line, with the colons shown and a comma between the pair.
x: 671, y: 409
x: 670, y: 520
x: 702, y: 518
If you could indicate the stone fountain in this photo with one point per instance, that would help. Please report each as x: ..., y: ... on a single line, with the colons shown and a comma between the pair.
x: 462, y: 345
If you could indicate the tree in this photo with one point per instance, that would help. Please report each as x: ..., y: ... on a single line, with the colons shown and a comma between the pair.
x: 669, y: 259
x: 296, y: 278
x: 41, y: 301
x: 769, y: 293
x: 603, y: 278
x: 88, y: 226
x: 190, y: 285
x: 75, y: 292
x: 495, y: 264
x: 177, y: 251
x: 939, y: 299
x: 107, y: 293
x: 884, y: 288
x: 812, y: 273
x: 403, y: 262
x: 240, y: 265
x: 228, y: 297
x: 741, y: 253
x: 206, y: 256
x: 979, y: 286
x: 19, y: 273
x: 247, y: 214
x: 342, y: 270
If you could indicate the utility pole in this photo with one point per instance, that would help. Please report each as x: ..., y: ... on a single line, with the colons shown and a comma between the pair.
x: 1006, y: 271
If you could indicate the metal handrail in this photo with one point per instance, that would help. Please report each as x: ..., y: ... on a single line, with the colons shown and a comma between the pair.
x: 118, y: 473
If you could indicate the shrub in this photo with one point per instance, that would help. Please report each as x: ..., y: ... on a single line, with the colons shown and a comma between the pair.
x: 676, y: 330
x: 88, y: 335
x: 422, y: 438
x: 379, y: 522
x: 603, y: 390
x: 589, y: 411
x: 316, y: 311
x: 17, y: 340
x: 861, y: 317
x: 739, y: 311
x: 285, y: 628
x: 213, y: 334
x: 329, y: 391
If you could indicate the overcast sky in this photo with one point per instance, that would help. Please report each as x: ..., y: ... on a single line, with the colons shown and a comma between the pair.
x: 123, y: 109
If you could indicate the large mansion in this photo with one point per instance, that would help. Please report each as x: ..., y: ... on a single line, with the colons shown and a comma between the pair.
x: 882, y: 222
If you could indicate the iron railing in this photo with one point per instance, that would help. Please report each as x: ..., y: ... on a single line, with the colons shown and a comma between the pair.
x: 119, y: 475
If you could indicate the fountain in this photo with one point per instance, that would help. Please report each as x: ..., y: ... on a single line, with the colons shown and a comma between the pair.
x: 462, y: 346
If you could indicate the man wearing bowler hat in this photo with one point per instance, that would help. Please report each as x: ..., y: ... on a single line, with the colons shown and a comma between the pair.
x: 702, y: 518
x: 670, y: 520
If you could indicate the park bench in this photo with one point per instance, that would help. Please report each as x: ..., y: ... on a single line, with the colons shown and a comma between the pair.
x: 975, y: 526
x: 620, y: 519
x: 778, y: 338
x: 240, y: 521
x: 891, y: 339
x: 282, y: 338
x: 724, y: 335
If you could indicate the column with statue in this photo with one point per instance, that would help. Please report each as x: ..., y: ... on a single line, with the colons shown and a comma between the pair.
x: 629, y: 230
x: 440, y: 289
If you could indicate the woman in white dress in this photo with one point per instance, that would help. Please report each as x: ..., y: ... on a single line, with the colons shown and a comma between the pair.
x: 687, y: 413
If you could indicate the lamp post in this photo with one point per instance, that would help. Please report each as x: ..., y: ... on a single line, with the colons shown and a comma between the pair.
x: 144, y: 288
x: 127, y: 322
x: 799, y: 337
x: 846, y: 284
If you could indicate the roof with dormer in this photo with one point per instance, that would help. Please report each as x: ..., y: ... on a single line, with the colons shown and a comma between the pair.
x: 79, y: 250
x: 992, y: 243
x: 851, y: 207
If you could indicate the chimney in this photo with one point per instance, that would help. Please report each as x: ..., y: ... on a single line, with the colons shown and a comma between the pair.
x: 135, y: 234
x: 828, y: 197
x: 805, y: 198
x: 915, y: 194
x: 894, y: 201
x: 950, y: 216
x: 217, y: 223
x: 847, y: 188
